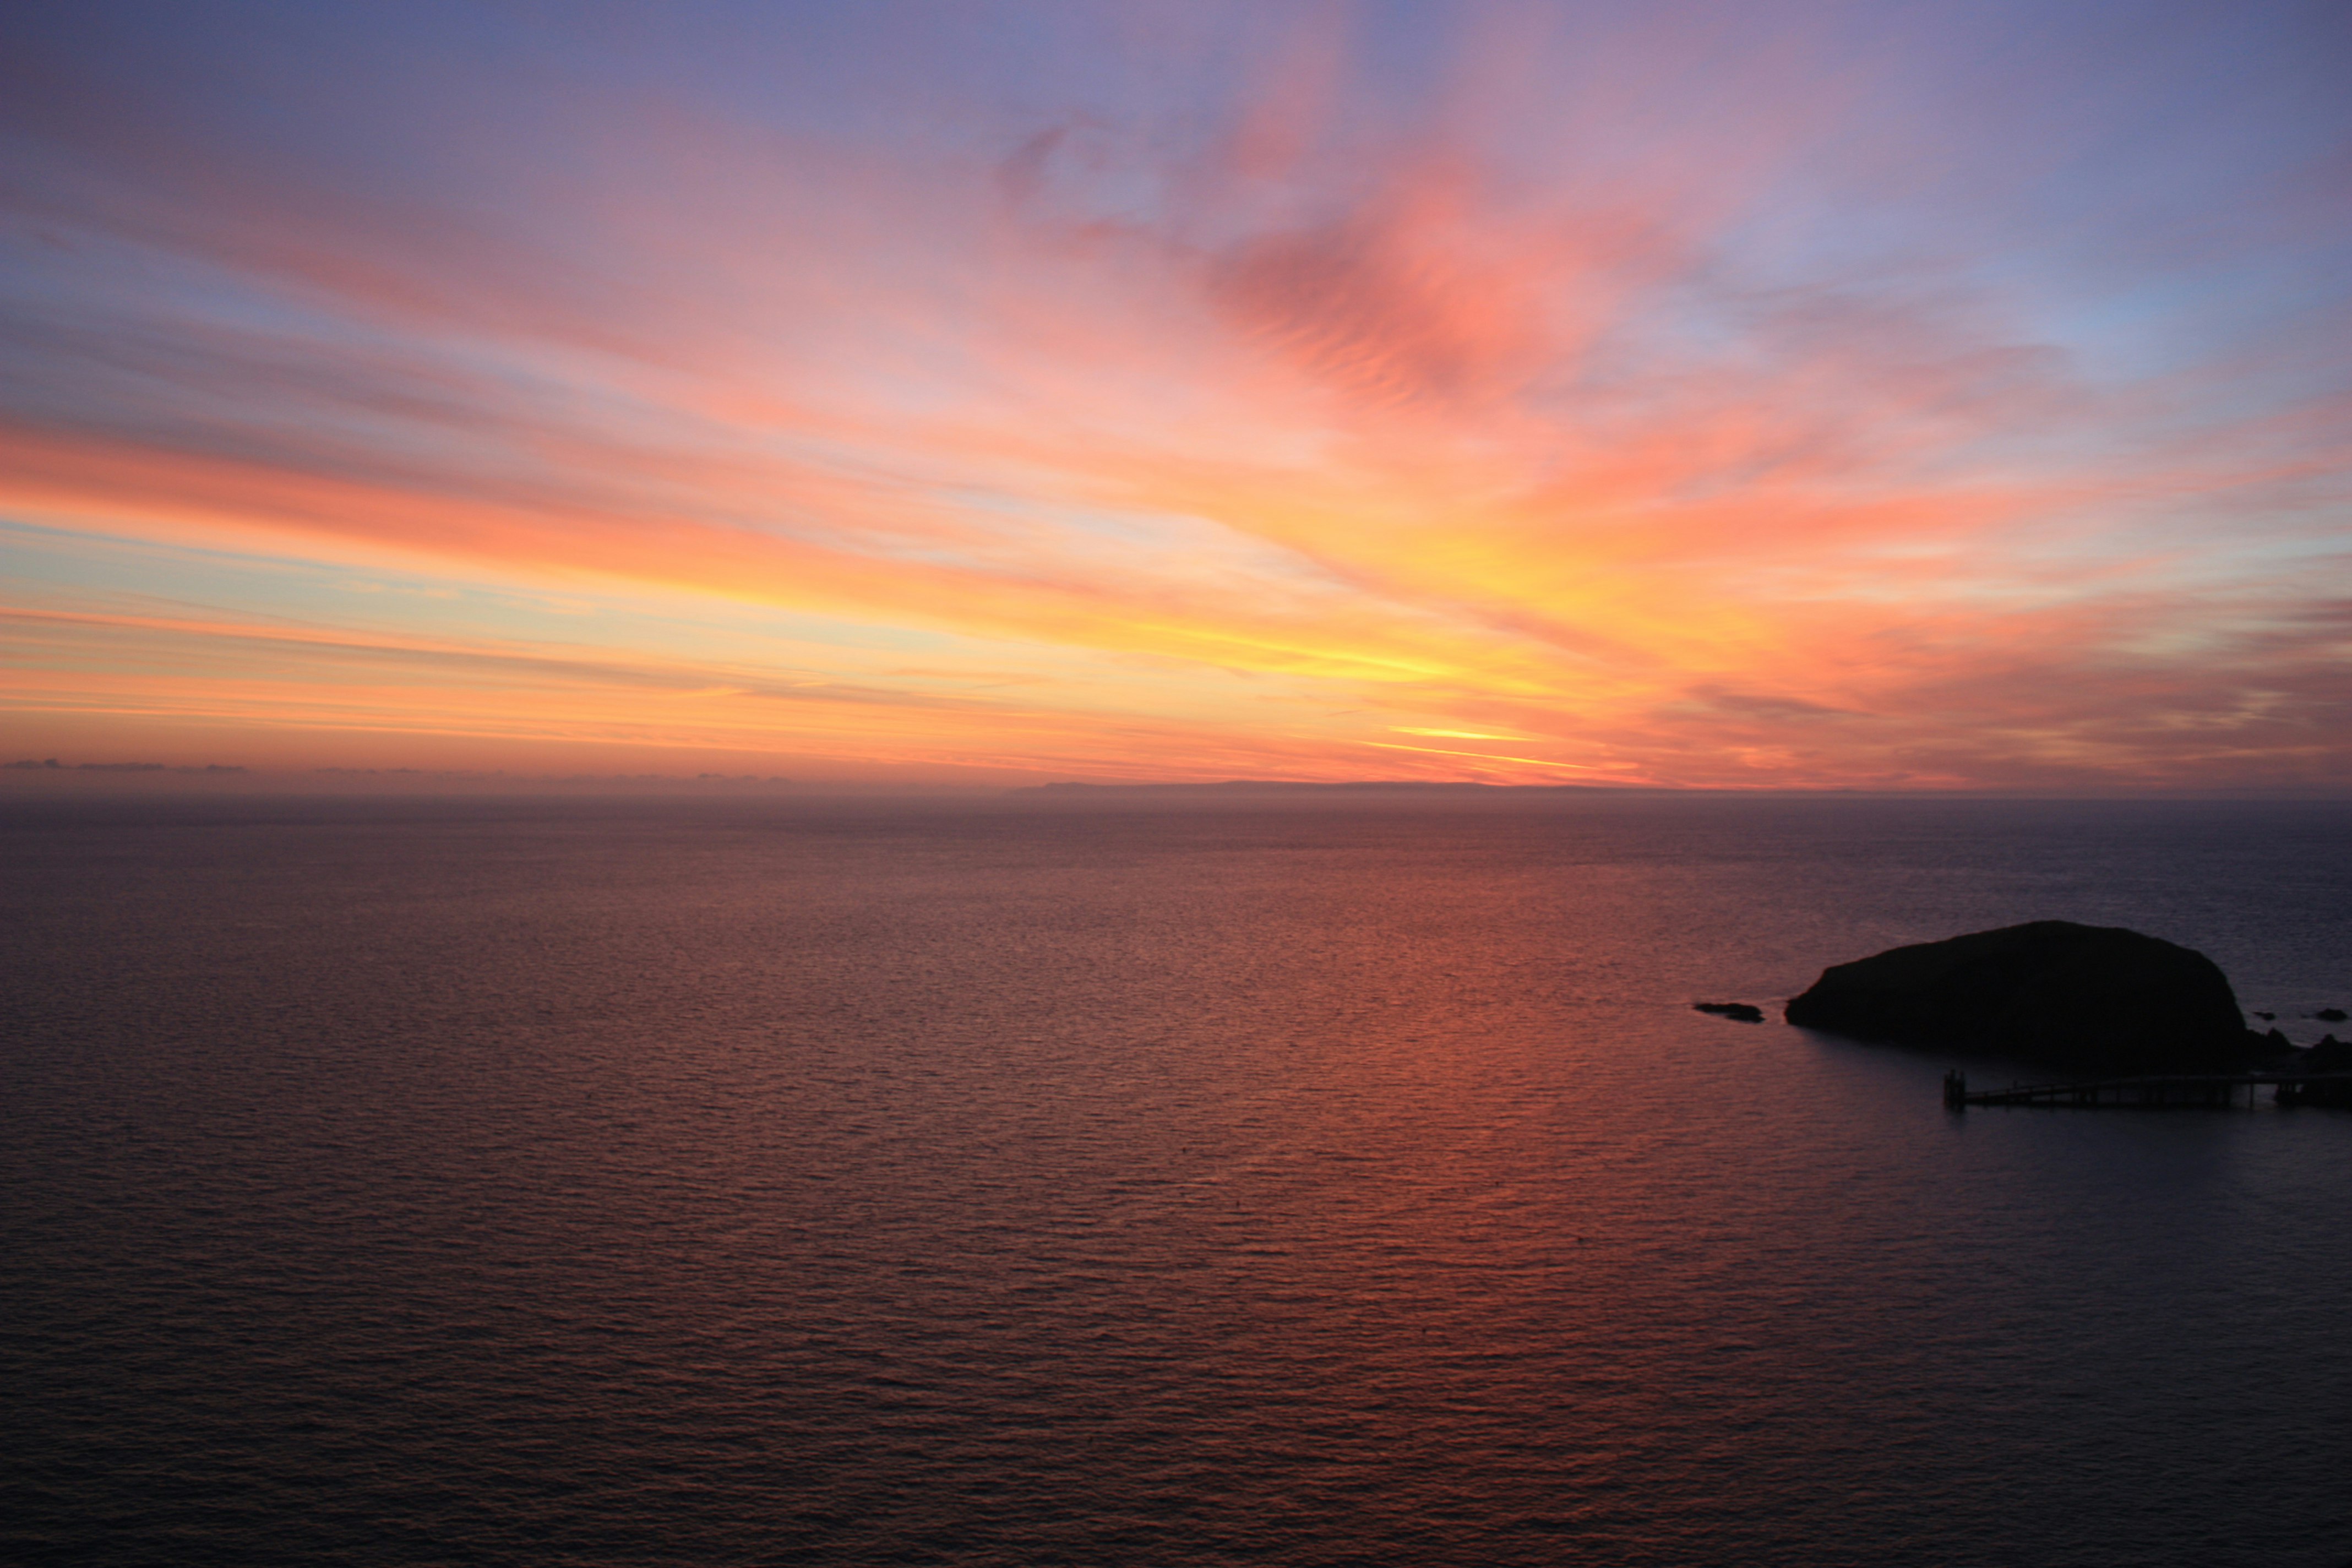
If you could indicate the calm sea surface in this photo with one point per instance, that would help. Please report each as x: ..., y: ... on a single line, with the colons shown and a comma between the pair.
x: 1309, y: 1184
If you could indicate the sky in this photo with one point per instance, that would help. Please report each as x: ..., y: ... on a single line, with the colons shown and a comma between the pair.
x: 1757, y: 396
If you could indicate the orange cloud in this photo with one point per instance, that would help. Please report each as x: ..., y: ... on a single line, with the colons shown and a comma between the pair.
x: 1242, y: 446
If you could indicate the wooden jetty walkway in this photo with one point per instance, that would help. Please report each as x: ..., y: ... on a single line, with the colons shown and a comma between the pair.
x: 2218, y: 1090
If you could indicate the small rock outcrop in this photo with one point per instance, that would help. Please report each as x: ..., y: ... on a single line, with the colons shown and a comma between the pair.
x: 1745, y: 1012
x: 2075, y: 997
x: 2326, y: 1061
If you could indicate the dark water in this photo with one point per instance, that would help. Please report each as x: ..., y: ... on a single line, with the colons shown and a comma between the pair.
x: 828, y: 1184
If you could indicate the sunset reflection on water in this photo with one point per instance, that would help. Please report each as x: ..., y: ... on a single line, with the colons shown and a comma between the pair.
x: 858, y: 1185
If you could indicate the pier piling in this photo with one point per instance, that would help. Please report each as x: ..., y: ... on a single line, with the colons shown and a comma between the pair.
x: 2217, y: 1091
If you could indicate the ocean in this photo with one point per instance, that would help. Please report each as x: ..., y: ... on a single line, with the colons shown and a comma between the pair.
x: 1127, y: 1179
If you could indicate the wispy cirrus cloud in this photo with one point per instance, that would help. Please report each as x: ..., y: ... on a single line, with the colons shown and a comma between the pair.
x: 1667, y: 395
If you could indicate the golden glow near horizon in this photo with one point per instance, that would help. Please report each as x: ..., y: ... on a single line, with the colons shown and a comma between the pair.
x: 1528, y: 395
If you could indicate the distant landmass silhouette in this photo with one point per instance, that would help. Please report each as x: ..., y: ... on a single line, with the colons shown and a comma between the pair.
x: 1361, y: 786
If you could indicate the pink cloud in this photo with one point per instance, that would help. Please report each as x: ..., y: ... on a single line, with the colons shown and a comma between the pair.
x: 1518, y: 411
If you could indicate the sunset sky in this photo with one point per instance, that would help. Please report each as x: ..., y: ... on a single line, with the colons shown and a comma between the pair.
x: 1755, y: 396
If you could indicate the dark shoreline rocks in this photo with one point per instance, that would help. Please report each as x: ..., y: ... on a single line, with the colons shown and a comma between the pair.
x: 1744, y: 1012
x: 2329, y: 1055
x: 2075, y: 998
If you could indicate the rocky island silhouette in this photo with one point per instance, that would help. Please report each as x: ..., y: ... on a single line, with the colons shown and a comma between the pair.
x: 2073, y: 998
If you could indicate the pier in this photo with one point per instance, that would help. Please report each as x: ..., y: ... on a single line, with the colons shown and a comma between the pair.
x: 2218, y: 1091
